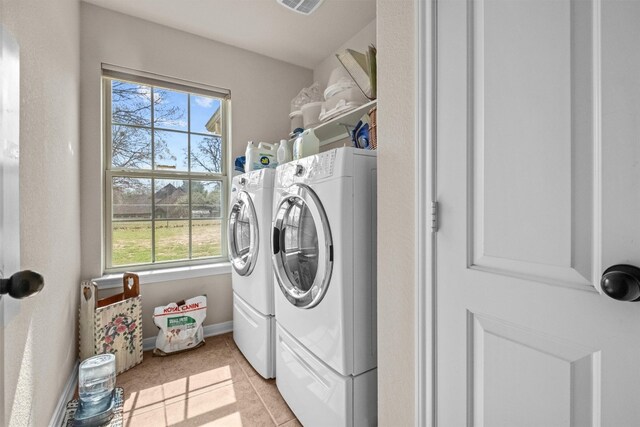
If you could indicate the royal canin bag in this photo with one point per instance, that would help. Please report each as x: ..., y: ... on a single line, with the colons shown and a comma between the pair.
x: 180, y: 325
x: 112, y: 324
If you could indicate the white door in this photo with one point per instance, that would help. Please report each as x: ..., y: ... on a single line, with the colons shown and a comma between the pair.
x: 538, y: 183
x: 9, y: 184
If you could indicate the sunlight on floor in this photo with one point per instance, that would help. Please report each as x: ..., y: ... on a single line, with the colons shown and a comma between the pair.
x: 185, y: 398
x: 210, y: 386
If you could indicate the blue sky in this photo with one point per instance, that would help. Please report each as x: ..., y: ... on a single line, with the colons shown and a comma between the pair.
x: 201, y: 109
x: 177, y: 146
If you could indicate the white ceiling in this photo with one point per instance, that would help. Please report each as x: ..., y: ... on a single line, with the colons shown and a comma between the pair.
x: 261, y: 26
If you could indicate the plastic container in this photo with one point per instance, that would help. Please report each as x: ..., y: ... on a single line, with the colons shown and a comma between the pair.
x: 296, y: 120
x: 311, y: 113
x: 284, y: 153
x: 249, y: 154
x: 342, y: 102
x: 96, y: 382
x: 306, y: 144
x: 260, y: 157
x: 306, y: 95
x: 339, y: 80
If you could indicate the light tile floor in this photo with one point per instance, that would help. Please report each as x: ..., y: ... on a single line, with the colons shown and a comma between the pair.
x: 213, y: 385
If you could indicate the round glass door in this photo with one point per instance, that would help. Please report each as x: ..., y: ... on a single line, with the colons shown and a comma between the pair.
x: 303, y: 250
x: 243, y: 234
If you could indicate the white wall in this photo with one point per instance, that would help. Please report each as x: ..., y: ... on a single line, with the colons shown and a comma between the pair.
x: 359, y: 42
x: 396, y: 147
x: 261, y: 91
x: 40, y: 333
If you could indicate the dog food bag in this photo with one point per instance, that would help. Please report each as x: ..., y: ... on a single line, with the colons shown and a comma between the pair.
x: 180, y: 325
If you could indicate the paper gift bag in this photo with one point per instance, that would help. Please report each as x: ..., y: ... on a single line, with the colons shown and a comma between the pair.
x: 112, y: 324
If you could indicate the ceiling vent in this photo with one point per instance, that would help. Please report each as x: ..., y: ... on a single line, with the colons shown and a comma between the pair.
x: 305, y: 7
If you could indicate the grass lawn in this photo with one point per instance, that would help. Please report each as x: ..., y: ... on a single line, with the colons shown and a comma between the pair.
x: 131, y: 240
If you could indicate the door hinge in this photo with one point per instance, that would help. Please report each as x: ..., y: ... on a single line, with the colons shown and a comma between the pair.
x: 434, y: 216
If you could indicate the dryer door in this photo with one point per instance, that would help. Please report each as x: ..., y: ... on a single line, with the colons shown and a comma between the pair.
x: 302, y: 247
x: 243, y: 234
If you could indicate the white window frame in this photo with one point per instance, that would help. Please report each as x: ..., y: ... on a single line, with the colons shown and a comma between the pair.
x: 109, y: 73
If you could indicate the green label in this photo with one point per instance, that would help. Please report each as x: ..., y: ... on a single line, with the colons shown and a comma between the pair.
x: 179, y: 321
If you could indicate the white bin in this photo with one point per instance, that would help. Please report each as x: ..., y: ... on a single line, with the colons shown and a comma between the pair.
x: 311, y: 113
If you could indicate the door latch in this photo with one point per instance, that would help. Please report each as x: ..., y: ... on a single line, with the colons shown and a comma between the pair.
x: 434, y: 216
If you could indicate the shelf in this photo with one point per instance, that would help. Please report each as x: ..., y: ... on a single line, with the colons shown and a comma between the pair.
x: 332, y: 130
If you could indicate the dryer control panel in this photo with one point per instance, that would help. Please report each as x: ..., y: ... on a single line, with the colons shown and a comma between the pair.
x: 322, y: 165
x: 306, y: 170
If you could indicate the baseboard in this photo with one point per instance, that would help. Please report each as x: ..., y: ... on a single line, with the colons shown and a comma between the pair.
x: 147, y: 344
x: 67, y: 395
x: 209, y: 331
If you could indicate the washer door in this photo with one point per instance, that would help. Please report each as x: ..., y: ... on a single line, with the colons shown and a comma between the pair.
x: 243, y: 234
x: 302, y: 247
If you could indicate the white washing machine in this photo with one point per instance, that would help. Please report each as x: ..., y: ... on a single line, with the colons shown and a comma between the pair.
x: 252, y: 273
x: 324, y: 258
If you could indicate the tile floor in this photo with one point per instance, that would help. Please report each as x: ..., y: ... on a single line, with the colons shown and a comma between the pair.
x: 213, y: 385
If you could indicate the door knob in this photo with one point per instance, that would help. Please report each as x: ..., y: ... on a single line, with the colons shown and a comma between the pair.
x: 22, y: 284
x: 621, y: 282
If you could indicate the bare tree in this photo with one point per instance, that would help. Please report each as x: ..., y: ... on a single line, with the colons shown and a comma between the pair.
x: 208, y: 154
x: 132, y: 107
x: 131, y: 118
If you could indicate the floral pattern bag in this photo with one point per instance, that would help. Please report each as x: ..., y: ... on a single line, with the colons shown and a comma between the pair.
x: 112, y: 324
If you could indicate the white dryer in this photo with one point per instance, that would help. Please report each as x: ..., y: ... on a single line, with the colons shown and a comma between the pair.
x: 252, y: 272
x: 324, y: 257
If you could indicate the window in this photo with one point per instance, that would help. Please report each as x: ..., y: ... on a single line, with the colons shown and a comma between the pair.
x: 165, y: 172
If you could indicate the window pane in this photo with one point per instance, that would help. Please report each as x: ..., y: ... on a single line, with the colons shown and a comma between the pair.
x: 130, y: 147
x: 130, y: 228
x: 170, y: 109
x: 171, y: 199
x: 206, y: 154
x: 206, y: 199
x: 206, y: 238
x: 172, y: 240
x: 130, y: 103
x: 171, y: 150
x: 206, y: 115
x: 131, y: 198
x: 131, y: 242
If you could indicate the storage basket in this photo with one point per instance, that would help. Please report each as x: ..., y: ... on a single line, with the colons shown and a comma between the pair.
x: 112, y: 324
x: 373, y: 128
